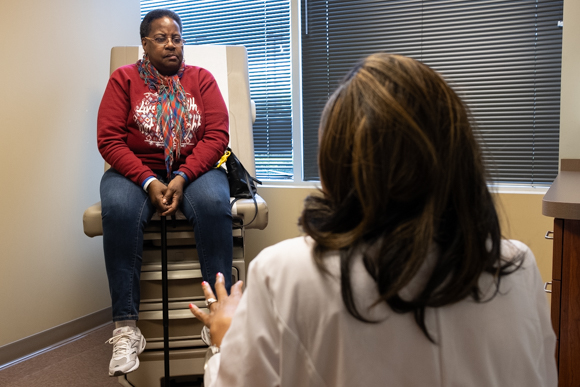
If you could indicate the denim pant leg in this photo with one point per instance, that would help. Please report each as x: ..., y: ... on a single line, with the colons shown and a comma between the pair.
x: 206, y: 204
x: 126, y: 209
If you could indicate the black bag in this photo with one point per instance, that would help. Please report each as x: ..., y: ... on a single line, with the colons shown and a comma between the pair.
x: 242, y: 185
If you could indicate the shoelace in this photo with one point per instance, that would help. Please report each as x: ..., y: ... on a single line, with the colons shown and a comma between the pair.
x: 122, y: 344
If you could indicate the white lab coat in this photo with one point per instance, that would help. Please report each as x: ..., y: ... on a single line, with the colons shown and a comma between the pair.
x: 292, y: 329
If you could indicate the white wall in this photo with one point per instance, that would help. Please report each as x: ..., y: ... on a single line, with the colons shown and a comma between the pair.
x: 570, y: 95
x: 54, y: 66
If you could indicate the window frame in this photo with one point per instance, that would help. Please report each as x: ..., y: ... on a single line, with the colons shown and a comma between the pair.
x: 296, y: 80
x: 297, y: 138
x: 297, y: 120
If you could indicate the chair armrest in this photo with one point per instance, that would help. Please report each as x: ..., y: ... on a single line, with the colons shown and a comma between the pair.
x: 92, y: 222
x: 245, y: 209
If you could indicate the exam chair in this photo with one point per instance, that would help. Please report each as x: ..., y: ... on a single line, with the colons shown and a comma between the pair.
x: 229, y: 66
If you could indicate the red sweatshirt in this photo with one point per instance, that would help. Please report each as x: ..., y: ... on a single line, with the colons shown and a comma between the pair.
x: 128, y: 136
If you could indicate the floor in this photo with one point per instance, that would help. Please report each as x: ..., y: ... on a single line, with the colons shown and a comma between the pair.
x: 81, y: 363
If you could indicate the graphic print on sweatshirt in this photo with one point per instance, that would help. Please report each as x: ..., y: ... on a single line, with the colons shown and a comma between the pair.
x: 146, y: 118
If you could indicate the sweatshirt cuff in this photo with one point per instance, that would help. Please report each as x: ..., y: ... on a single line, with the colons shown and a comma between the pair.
x: 146, y: 182
x: 182, y: 174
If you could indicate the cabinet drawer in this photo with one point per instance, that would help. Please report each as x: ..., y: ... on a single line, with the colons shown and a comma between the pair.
x: 555, y: 306
x: 557, y: 249
x: 188, y: 361
x: 558, y: 353
x: 182, y: 325
x: 182, y: 284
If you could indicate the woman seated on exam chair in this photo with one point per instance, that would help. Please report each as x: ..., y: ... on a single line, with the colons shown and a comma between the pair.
x: 403, y: 278
x: 162, y: 126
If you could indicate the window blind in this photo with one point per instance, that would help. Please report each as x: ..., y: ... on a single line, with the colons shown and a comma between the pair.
x: 502, y: 57
x: 263, y: 27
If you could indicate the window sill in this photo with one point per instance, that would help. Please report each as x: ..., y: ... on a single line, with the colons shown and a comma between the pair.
x: 518, y: 189
x: 290, y: 184
x: 495, y: 189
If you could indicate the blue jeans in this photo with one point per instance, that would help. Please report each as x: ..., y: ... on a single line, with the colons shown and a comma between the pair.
x: 126, y: 210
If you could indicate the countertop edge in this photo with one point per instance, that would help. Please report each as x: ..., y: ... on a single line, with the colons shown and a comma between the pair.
x: 562, y: 200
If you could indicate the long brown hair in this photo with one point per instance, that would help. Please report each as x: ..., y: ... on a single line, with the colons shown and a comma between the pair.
x: 401, y: 171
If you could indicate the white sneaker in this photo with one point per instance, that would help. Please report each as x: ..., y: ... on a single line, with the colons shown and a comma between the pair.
x: 129, y: 343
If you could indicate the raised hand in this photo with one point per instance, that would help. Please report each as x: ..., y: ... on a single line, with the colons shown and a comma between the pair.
x: 221, y: 312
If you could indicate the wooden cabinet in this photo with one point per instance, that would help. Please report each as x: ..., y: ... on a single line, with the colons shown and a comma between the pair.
x: 562, y: 202
x: 566, y: 300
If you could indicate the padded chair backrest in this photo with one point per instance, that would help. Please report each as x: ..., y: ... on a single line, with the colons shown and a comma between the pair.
x: 229, y: 66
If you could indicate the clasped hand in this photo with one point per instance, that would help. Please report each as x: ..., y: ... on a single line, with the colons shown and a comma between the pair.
x: 166, y: 198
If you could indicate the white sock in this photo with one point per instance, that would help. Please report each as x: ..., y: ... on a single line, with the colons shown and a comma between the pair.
x: 125, y: 323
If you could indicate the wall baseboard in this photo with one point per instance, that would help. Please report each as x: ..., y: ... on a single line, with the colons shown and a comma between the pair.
x: 52, y: 338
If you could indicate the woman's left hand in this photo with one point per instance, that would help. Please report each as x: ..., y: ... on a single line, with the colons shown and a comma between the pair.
x: 221, y: 312
x: 173, y: 195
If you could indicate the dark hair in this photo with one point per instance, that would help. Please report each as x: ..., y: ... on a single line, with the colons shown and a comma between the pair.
x: 145, y: 27
x: 401, y: 173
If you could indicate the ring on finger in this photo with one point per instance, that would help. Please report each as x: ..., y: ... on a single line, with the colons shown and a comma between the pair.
x: 210, y: 301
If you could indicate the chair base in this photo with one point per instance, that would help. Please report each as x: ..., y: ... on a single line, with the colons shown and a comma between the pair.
x: 185, y: 364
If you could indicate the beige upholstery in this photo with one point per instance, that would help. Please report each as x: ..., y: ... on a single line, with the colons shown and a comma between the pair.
x: 243, y: 209
x: 229, y: 65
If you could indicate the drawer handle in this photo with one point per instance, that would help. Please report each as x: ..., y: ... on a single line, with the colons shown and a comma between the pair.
x: 171, y: 275
x: 174, y: 314
x: 546, y: 287
x: 549, y: 235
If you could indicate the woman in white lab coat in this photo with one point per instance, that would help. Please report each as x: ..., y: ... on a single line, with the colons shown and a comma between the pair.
x: 403, y: 278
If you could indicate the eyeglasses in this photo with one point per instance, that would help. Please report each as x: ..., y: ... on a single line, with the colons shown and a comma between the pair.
x: 163, y: 40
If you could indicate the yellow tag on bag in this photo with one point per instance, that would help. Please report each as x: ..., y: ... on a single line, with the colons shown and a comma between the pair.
x: 223, y: 159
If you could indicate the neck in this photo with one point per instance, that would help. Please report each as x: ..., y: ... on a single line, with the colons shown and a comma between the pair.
x: 167, y: 74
